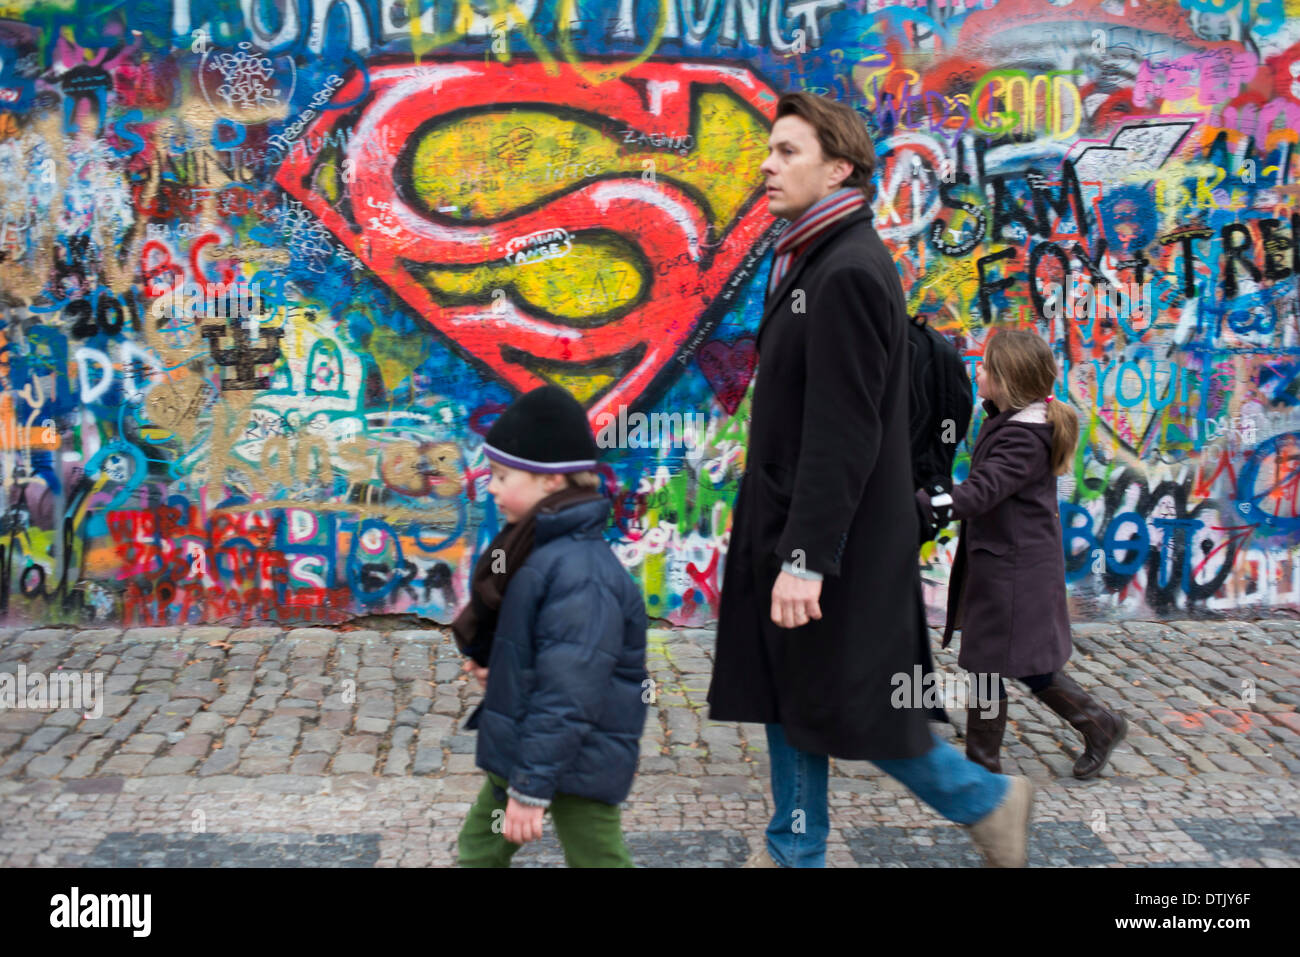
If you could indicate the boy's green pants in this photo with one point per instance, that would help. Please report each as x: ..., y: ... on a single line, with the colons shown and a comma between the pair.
x: 589, y: 831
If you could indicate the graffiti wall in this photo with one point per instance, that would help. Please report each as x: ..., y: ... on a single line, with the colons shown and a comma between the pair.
x: 269, y: 268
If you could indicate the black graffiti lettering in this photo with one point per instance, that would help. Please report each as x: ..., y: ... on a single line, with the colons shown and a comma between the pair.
x: 243, y: 357
x: 1007, y: 210
x: 1186, y: 237
x: 1275, y: 249
x: 988, y: 286
x: 83, y: 326
x: 1236, y: 252
x: 939, y: 228
x: 110, y: 315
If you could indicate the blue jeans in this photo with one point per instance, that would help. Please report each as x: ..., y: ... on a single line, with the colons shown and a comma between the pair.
x: 960, y: 790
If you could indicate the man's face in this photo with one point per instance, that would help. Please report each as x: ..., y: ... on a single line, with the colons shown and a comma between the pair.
x: 797, y: 173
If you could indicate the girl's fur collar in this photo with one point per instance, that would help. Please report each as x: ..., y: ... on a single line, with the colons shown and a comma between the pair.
x: 1034, y: 413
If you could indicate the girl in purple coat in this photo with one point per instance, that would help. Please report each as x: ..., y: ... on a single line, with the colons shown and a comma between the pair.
x: 1007, y: 591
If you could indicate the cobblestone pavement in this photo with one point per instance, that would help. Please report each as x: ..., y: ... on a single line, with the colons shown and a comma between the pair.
x: 321, y: 747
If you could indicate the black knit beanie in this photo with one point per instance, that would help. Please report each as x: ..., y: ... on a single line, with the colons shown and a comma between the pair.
x: 545, y: 430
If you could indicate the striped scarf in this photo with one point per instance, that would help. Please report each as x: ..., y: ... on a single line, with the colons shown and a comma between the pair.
x: 819, y: 216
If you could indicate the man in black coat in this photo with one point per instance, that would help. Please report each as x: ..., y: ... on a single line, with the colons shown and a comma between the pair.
x: 820, y: 624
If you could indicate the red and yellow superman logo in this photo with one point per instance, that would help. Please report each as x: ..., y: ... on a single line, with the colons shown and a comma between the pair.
x: 556, y: 231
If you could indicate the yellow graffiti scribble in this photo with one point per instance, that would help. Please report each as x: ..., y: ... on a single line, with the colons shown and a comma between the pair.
x: 521, y: 158
x: 958, y: 276
x: 586, y: 286
x: 396, y: 354
x: 497, y: 161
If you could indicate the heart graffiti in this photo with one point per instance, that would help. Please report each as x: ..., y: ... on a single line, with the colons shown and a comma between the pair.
x: 552, y: 230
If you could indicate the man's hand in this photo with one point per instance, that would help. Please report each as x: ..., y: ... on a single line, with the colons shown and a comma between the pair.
x: 795, y: 601
x: 523, y: 822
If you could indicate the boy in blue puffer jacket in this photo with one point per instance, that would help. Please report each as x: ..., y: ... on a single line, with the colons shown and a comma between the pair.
x: 560, y: 627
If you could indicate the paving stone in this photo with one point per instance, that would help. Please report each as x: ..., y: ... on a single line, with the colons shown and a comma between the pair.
x: 1168, y: 765
x: 45, y: 766
x: 353, y: 763
x: 136, y: 635
x: 269, y: 747
x: 1288, y: 719
x: 207, y: 722
x: 307, y: 667
x: 336, y: 720
x: 398, y: 756
x: 324, y: 635
x: 1230, y: 762
x: 204, y: 691
x: 128, y: 765
x: 265, y: 765
x: 192, y: 745
x: 203, y: 634
x: 228, y: 704
x: 148, y: 743
x: 80, y: 767
x: 44, y: 738
x: 314, y: 763
x: 258, y: 636
x: 359, y: 744
x: 323, y: 740
x: 427, y: 760
x: 200, y: 671
x: 221, y: 761
x: 170, y: 764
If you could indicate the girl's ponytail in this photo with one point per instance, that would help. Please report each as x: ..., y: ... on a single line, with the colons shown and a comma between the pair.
x: 1065, y: 434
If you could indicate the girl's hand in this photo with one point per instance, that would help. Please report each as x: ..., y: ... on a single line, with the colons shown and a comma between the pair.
x: 523, y: 822
x: 941, y: 505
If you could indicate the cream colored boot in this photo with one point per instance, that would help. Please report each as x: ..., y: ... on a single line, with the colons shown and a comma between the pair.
x: 1002, y: 835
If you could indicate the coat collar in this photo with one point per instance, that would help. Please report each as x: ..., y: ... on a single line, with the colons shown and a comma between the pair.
x: 996, y: 420
x: 797, y: 267
x: 580, y: 518
x: 993, y: 420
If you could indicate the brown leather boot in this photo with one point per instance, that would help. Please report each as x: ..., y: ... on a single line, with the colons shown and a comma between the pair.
x: 1101, y: 729
x: 984, y: 736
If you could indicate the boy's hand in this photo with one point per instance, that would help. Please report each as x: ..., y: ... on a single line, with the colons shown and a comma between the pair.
x: 523, y: 822
x: 472, y: 667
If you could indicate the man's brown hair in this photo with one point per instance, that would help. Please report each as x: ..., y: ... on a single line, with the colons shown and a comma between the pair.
x: 841, y: 132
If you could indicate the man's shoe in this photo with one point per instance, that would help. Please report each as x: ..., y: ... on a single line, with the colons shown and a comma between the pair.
x: 761, y: 858
x: 984, y: 736
x: 1101, y: 729
x: 1002, y: 835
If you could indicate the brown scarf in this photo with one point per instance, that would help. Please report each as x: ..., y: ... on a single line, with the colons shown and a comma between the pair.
x: 476, y: 625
